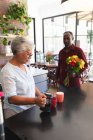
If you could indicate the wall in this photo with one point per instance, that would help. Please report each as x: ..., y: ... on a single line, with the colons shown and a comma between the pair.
x: 54, y: 10
x: 34, y: 13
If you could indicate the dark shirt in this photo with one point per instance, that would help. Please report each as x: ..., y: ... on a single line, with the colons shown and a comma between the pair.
x: 62, y: 66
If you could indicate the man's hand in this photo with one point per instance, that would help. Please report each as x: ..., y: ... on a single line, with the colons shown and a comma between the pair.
x: 74, y: 75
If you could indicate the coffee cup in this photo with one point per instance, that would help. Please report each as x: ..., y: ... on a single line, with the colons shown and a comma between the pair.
x: 54, y: 101
x: 47, y: 107
x: 60, y: 96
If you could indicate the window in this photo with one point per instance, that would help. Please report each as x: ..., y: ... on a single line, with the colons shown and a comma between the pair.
x: 31, y: 35
x: 54, y: 28
x: 80, y: 23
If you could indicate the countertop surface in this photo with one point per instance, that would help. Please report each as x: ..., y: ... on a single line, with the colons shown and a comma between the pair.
x: 37, y: 71
x: 71, y: 120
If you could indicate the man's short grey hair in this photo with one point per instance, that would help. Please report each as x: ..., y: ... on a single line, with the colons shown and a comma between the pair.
x: 20, y: 44
x: 70, y: 33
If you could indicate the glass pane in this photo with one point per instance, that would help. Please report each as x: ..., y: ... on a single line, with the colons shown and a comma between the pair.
x: 54, y: 28
x: 85, y: 33
x: 82, y: 42
x: 31, y: 38
x: 84, y: 23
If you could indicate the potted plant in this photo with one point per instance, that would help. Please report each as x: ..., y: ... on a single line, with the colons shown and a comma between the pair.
x: 4, y: 41
x: 49, y: 57
x: 15, y: 12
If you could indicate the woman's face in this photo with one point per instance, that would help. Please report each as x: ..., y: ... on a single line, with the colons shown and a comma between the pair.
x: 24, y: 56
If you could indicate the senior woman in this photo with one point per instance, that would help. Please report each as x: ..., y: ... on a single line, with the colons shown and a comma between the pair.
x: 17, y: 81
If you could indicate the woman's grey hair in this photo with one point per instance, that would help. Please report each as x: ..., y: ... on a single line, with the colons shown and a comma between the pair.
x: 20, y: 44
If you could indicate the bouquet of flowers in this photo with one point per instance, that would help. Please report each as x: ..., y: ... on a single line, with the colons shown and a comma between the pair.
x: 74, y: 65
x: 49, y: 56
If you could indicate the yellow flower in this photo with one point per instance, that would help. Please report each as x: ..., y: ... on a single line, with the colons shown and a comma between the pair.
x: 82, y: 63
x: 74, y: 56
x: 69, y: 61
x: 74, y: 65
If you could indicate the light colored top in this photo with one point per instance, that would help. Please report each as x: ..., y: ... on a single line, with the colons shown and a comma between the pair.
x: 16, y: 82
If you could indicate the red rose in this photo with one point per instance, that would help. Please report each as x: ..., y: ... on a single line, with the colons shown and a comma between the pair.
x: 73, y: 64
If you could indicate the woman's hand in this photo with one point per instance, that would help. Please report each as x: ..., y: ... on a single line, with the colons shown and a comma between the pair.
x: 42, y: 95
x: 40, y: 100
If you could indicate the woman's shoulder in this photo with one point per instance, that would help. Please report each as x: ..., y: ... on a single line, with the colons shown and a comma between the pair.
x: 7, y: 69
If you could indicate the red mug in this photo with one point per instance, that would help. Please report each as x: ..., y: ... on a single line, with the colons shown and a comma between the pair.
x: 54, y: 101
x: 60, y: 96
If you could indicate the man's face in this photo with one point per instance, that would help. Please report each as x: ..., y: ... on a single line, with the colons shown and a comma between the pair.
x: 67, y: 39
